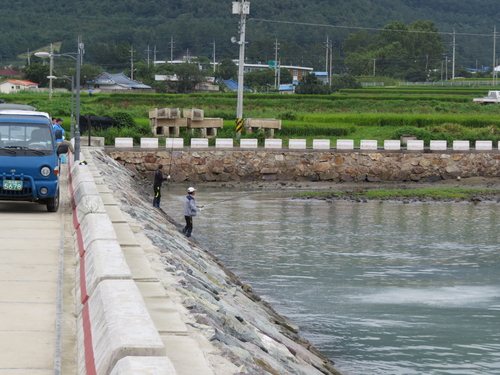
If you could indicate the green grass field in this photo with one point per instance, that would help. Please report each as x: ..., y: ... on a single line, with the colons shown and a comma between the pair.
x: 373, y: 113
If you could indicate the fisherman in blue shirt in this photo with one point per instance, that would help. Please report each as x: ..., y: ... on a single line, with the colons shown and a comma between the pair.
x: 58, y: 126
x: 190, y: 209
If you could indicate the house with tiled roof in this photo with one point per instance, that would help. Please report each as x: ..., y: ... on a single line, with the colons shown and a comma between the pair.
x: 15, y: 85
x: 8, y: 72
x: 107, y: 81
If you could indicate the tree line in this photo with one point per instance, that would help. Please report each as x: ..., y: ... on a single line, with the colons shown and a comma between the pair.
x: 196, y: 25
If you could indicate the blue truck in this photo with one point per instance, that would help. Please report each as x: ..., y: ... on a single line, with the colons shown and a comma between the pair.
x: 29, y: 156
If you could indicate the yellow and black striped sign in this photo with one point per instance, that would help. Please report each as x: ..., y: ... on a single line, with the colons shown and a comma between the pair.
x: 239, y: 125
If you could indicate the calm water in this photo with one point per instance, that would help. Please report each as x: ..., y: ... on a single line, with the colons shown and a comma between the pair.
x: 381, y: 288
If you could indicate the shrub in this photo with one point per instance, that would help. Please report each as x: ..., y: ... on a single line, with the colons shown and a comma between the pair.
x: 288, y: 115
x: 124, y: 119
x: 422, y: 134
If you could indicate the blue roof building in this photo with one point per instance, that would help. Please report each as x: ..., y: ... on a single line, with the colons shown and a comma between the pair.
x: 116, y: 82
x: 231, y: 84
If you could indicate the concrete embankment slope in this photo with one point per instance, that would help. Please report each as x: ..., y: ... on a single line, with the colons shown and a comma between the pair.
x: 150, y: 297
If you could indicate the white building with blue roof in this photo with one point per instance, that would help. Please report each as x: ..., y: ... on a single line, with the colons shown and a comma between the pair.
x: 108, y: 81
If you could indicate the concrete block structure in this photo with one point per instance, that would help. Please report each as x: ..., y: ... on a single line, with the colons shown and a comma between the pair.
x: 167, y: 127
x: 208, y: 126
x: 194, y: 114
x: 461, y: 145
x: 273, y: 143
x: 390, y: 144
x: 484, y: 145
x: 345, y: 144
x: 248, y: 143
x: 321, y: 144
x: 415, y: 145
x: 253, y: 125
x: 165, y: 113
x: 297, y: 144
x: 368, y: 144
x: 437, y: 145
x: 168, y: 121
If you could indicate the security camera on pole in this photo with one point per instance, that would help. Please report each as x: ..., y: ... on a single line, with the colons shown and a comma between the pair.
x: 242, y: 8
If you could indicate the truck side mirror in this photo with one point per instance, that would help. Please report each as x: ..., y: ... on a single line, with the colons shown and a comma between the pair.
x: 62, y: 148
x: 59, y: 134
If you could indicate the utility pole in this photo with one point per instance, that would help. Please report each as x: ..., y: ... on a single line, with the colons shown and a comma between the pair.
x: 446, y: 69
x: 453, y: 65
x: 242, y: 8
x: 79, y: 60
x: 276, y: 48
x: 331, y: 62
x: 131, y: 63
x: 154, y: 54
x: 171, y: 49
x: 148, y: 51
x: 327, y: 46
x: 494, y: 54
x: 329, y: 59
x: 214, y: 53
x: 51, y: 68
x: 374, y: 66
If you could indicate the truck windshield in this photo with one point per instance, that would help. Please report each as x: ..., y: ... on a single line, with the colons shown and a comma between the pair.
x: 25, y: 136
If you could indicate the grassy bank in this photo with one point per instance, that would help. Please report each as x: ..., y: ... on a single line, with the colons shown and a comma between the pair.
x: 377, y: 113
x: 442, y: 193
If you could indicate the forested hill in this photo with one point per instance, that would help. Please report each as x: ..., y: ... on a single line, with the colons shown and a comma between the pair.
x: 197, y: 25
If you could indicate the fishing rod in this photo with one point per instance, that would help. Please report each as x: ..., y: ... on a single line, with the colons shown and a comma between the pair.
x: 232, y: 199
x: 171, y: 158
x: 224, y: 200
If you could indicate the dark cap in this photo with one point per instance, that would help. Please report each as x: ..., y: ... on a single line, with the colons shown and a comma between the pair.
x: 59, y: 119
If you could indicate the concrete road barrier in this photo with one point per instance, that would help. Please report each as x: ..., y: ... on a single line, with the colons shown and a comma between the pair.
x: 144, y: 366
x: 113, y: 321
x: 103, y: 260
x: 115, y: 324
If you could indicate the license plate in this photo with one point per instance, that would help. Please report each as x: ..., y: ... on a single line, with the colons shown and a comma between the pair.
x: 12, y: 185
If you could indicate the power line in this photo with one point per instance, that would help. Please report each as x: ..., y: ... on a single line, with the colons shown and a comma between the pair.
x: 364, y: 28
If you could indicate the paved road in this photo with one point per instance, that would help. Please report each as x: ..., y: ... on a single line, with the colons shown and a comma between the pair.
x: 37, y: 324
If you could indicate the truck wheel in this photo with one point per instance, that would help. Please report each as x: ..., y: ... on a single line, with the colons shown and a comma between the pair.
x: 53, y: 203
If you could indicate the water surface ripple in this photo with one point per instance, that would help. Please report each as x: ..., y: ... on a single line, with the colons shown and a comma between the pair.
x: 381, y: 288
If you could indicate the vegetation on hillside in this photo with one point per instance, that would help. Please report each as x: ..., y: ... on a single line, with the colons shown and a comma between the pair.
x: 113, y: 32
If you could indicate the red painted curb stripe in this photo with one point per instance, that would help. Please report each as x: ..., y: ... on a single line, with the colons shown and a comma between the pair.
x: 87, y: 339
x: 87, y: 329
x: 76, y: 223
x: 83, y: 282
x: 81, y: 247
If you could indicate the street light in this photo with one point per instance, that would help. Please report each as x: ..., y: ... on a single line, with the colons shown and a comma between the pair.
x: 72, y: 124
x: 77, y: 58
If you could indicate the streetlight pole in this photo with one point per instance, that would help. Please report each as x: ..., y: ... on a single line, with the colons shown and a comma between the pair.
x: 51, y: 67
x: 242, y: 8
x: 77, y: 130
x: 78, y: 59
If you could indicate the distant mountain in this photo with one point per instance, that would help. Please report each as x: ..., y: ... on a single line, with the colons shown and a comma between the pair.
x: 193, y: 27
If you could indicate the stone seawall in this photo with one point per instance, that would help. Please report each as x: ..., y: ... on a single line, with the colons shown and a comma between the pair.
x: 238, y: 333
x: 205, y: 165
